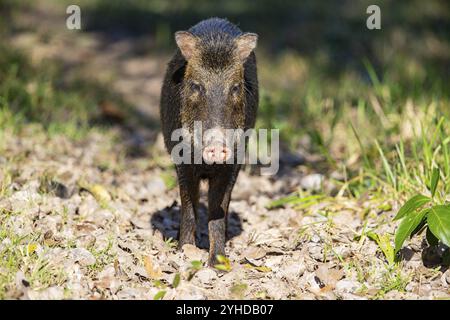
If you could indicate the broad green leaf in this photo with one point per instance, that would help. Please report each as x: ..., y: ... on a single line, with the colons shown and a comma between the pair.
x: 439, y: 223
x: 431, y: 238
x: 434, y: 181
x: 411, y: 205
x: 419, y: 228
x: 406, y: 227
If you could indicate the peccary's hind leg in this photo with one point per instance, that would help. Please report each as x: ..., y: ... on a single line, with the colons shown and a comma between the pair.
x: 220, y: 188
x: 189, y: 190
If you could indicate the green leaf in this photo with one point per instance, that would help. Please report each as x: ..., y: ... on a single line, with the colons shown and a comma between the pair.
x: 385, y: 246
x: 223, y: 259
x: 439, y: 223
x: 384, y: 243
x: 420, y: 227
x: 222, y: 267
x: 431, y: 238
x: 411, y: 205
x: 406, y: 227
x: 159, y: 295
x: 196, y: 264
x: 176, y: 280
x: 434, y: 181
x: 224, y: 263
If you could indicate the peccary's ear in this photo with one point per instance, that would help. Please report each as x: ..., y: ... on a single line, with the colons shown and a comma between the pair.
x: 245, y: 44
x: 187, y: 43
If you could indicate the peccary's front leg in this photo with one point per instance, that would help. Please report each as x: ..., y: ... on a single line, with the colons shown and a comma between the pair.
x: 189, y: 188
x: 220, y: 188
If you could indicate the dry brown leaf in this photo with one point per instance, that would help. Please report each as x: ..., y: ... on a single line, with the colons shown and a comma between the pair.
x: 254, y: 253
x: 329, y: 276
x: 153, y: 271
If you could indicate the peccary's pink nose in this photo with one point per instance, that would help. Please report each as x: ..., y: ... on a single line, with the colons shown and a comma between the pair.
x: 216, y: 153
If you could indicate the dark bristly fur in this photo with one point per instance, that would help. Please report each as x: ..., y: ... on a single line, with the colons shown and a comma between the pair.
x: 217, y: 44
x: 217, y: 64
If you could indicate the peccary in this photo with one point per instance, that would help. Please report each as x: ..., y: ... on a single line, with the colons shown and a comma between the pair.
x: 211, y: 78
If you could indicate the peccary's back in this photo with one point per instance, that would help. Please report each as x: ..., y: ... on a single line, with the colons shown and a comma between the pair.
x: 213, y: 32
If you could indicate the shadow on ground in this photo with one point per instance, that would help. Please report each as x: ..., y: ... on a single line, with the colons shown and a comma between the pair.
x: 167, y: 221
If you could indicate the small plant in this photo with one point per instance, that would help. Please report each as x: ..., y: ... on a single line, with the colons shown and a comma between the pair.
x: 169, y: 179
x: 422, y: 212
x: 224, y: 264
x: 196, y: 265
x: 384, y: 243
x: 238, y: 290
x: 171, y: 243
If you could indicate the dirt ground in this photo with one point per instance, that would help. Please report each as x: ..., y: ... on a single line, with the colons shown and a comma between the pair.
x: 113, y: 237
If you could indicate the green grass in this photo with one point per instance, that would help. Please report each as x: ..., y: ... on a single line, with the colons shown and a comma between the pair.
x: 103, y: 257
x: 33, y: 95
x: 17, y: 253
x: 366, y: 133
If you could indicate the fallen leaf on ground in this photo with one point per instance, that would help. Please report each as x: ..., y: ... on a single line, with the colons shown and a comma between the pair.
x: 153, y: 271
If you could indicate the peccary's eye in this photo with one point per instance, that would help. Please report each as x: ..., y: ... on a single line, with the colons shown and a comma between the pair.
x: 196, y: 87
x: 236, y: 88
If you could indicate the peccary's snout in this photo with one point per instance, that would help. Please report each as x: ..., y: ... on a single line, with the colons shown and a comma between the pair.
x: 216, y: 153
x: 215, y: 148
